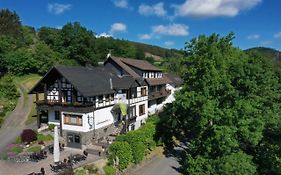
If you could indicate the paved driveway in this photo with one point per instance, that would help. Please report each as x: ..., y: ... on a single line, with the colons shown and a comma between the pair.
x: 160, y: 166
x: 168, y: 164
x: 13, y: 168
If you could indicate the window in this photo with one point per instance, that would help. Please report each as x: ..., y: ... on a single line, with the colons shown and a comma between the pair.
x: 143, y: 91
x: 79, y: 97
x: 107, y: 97
x: 57, y: 115
x: 111, y: 97
x: 73, y: 119
x: 132, y: 112
x: 132, y: 127
x: 141, y: 109
x: 133, y: 93
x: 93, y: 99
x: 100, y: 99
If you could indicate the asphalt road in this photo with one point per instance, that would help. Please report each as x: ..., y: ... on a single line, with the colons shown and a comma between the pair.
x: 169, y: 164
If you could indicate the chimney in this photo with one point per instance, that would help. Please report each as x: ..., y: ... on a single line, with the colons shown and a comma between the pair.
x: 109, y: 53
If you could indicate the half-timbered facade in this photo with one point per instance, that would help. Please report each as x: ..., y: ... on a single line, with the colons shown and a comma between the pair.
x: 90, y: 103
x: 157, y: 82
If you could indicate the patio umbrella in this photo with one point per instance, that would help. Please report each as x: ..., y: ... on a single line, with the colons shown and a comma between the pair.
x: 56, y: 145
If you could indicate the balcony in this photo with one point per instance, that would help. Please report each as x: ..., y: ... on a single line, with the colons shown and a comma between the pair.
x: 158, y: 94
x: 64, y: 106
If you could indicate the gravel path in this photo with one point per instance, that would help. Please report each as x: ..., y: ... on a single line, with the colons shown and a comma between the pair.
x: 15, y: 122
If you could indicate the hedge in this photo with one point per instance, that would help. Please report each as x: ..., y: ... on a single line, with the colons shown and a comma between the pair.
x: 121, y: 153
x: 138, y: 143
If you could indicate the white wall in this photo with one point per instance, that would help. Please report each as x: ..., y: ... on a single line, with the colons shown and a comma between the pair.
x: 103, y: 117
x: 154, y: 107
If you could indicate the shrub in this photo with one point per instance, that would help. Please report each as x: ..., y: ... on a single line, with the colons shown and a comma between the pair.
x: 120, y: 152
x: 109, y: 170
x: 17, y: 149
x: 28, y: 135
x: 51, y: 126
x: 43, y: 137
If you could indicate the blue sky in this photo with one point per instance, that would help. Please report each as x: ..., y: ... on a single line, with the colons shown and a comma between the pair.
x: 165, y: 23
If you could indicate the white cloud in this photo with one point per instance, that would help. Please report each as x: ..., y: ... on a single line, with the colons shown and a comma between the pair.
x: 104, y: 35
x: 172, y: 29
x: 121, y: 3
x: 145, y: 36
x: 156, y: 9
x: 253, y: 37
x: 213, y: 8
x: 169, y: 43
x: 124, y: 4
x: 277, y: 35
x: 118, y: 27
x: 57, y: 8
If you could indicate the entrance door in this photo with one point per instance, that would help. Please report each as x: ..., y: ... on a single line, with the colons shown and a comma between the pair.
x: 73, y: 140
x: 44, y: 117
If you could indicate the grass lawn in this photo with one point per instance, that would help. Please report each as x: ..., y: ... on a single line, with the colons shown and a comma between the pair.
x: 28, y: 81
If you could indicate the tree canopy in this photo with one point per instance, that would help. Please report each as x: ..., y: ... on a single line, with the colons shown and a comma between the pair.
x: 228, y: 109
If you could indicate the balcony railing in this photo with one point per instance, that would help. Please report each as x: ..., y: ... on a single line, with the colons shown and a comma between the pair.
x: 158, y: 94
x: 64, y: 106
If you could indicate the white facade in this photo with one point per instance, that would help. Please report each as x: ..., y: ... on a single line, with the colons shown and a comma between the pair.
x: 103, y: 115
x: 154, y: 107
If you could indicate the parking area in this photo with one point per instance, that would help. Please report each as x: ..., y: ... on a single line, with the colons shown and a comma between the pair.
x: 13, y: 168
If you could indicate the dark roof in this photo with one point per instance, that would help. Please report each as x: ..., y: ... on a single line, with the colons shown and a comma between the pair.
x: 89, y: 81
x: 124, y: 82
x: 118, y: 60
x: 125, y: 63
x: 157, y: 81
x: 175, y: 79
x: 140, y: 64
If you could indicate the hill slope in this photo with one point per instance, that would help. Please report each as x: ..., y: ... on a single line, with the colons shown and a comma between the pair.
x: 269, y: 53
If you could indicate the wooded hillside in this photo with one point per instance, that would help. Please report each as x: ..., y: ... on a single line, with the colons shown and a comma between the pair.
x: 24, y: 49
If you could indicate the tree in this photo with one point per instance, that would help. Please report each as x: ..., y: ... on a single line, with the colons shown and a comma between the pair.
x: 10, y: 24
x: 21, y: 61
x: 223, y: 106
x: 78, y: 43
x: 45, y: 57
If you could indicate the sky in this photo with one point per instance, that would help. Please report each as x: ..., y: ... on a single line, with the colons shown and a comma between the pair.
x: 164, y: 23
